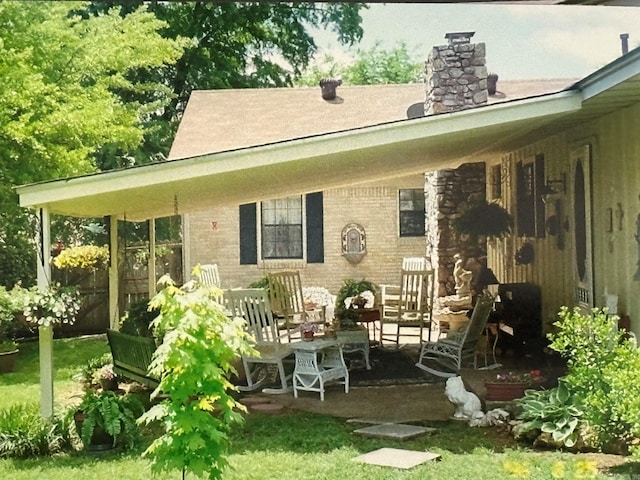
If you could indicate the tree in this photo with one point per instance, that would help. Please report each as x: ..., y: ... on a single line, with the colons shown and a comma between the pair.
x: 61, y: 100
x: 232, y: 45
x: 370, y: 67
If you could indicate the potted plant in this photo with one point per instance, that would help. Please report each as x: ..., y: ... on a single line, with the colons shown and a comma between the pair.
x: 511, y: 385
x: 54, y: 305
x: 8, y: 328
x: 308, y: 331
x: 351, y: 289
x: 105, y: 419
x: 484, y: 219
x: 106, y: 377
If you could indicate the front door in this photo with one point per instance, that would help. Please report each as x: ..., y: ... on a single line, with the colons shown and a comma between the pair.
x: 582, y: 241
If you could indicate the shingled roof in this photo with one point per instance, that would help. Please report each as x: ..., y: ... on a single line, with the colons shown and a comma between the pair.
x: 220, y: 120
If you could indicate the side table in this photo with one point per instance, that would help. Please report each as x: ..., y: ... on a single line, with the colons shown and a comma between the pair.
x: 318, y: 362
x: 355, y: 341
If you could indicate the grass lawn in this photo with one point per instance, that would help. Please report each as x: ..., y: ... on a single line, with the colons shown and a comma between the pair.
x: 299, y: 445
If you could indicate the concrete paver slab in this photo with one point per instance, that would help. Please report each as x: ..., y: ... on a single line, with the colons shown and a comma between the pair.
x: 395, y: 457
x: 396, y: 431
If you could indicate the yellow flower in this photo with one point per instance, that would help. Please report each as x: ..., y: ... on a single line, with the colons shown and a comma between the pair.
x: 557, y: 470
x: 516, y: 469
x: 586, y: 469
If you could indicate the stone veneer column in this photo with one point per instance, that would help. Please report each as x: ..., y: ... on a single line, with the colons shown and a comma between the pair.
x: 447, y: 194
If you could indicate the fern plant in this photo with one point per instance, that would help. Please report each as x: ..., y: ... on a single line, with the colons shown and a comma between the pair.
x: 194, y: 363
x: 115, y: 414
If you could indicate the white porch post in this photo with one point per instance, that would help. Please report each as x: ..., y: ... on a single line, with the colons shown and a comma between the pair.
x: 45, y: 337
x: 114, y: 309
x: 151, y: 266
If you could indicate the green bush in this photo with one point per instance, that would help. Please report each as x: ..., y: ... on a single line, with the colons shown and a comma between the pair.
x: 25, y: 433
x: 603, y: 376
x: 138, y: 319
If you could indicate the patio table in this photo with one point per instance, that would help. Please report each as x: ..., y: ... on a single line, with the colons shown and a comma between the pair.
x: 317, y: 362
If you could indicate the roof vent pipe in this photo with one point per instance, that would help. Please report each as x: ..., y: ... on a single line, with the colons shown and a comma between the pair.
x: 328, y: 86
x: 624, y: 38
x: 492, y: 83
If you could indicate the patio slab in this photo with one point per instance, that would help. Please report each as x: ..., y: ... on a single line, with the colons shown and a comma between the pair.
x: 396, y: 458
x: 395, y: 431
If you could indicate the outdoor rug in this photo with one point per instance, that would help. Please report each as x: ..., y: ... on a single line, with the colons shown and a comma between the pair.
x: 389, y: 366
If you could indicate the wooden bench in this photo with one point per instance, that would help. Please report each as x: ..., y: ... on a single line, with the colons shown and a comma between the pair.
x: 132, y: 356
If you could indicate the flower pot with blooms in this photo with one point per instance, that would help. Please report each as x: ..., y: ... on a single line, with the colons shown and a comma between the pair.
x: 511, y: 385
x: 106, y: 377
x: 308, y: 330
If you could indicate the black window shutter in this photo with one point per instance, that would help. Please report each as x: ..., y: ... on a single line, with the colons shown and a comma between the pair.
x: 315, y: 228
x: 248, y: 235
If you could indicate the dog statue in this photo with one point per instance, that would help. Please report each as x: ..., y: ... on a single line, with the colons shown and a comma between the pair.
x: 467, y: 404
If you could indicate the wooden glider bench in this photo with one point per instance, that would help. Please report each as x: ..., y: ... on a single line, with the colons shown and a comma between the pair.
x: 132, y: 356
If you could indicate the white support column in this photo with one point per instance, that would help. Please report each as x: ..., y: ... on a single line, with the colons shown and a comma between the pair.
x: 114, y: 286
x: 151, y: 267
x: 45, y: 333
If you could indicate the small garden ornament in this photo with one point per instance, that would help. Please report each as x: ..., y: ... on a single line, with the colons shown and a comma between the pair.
x: 467, y: 404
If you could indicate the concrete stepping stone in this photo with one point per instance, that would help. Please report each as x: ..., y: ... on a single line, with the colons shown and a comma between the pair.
x: 250, y: 401
x: 395, y: 431
x: 267, y: 408
x: 395, y: 457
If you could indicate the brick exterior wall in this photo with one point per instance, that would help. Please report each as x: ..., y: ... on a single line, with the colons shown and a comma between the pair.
x: 212, y: 236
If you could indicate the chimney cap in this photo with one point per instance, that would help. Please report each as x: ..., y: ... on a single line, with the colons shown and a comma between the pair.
x: 456, y: 38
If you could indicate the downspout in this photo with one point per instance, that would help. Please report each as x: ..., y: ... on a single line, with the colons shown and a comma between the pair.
x: 45, y: 333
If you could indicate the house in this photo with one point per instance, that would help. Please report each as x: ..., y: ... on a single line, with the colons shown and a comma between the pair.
x: 389, y: 213
x: 580, y: 244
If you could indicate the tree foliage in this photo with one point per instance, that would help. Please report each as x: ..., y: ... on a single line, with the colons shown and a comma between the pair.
x: 200, y: 345
x: 370, y: 67
x: 62, y: 100
x: 234, y: 45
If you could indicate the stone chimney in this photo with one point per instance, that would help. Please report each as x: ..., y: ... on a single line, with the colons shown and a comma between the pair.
x: 456, y: 79
x: 456, y: 75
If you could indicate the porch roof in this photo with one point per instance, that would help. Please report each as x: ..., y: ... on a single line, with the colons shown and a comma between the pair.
x: 339, y: 158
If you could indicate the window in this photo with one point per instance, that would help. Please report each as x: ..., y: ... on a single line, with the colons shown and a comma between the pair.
x: 411, y: 212
x: 282, y: 228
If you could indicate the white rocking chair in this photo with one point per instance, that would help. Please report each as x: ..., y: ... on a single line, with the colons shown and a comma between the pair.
x: 253, y: 305
x: 444, y: 358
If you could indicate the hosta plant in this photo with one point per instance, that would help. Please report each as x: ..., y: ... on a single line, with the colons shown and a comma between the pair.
x: 551, y: 411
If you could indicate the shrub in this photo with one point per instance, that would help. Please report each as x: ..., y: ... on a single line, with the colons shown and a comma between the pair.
x: 25, y: 433
x: 138, y: 319
x: 603, y: 376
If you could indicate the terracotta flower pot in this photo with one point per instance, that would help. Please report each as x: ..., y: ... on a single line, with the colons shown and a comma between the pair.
x: 505, y: 390
x: 307, y: 336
